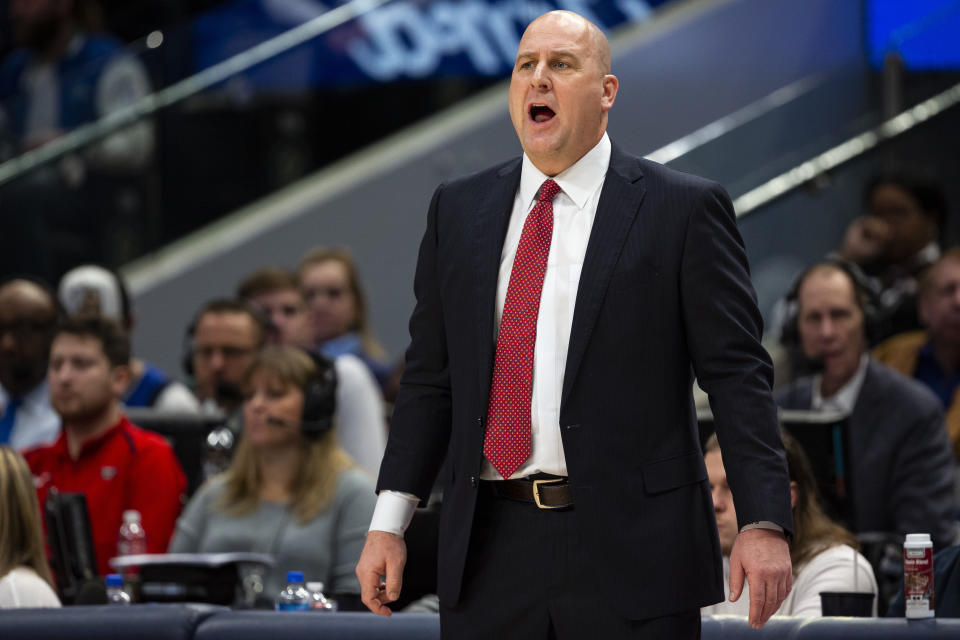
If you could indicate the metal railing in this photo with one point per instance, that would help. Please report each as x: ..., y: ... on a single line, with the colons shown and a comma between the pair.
x: 179, y: 91
x: 846, y: 151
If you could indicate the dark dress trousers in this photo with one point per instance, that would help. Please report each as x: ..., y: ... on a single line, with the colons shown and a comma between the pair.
x: 664, y: 295
x: 900, y: 456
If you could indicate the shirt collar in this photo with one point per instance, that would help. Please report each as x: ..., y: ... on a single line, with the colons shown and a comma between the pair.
x: 846, y: 397
x: 579, y: 181
x: 64, y: 451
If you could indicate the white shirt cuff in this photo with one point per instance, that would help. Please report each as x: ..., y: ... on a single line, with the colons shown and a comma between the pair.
x: 393, y: 512
x: 763, y: 524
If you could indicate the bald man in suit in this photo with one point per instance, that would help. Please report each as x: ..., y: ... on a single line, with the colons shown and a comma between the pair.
x: 577, y: 501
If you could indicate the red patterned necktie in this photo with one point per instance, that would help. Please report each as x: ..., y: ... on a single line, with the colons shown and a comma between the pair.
x: 507, y: 441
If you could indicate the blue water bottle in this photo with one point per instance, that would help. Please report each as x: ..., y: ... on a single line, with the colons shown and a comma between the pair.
x: 294, y: 596
x: 115, y: 592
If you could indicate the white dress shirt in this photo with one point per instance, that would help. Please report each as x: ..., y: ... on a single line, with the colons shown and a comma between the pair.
x: 845, y: 397
x: 574, y: 210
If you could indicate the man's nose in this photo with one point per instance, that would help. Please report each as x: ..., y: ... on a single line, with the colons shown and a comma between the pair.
x: 217, y: 360
x: 827, y: 329
x: 540, y: 78
x: 718, y: 505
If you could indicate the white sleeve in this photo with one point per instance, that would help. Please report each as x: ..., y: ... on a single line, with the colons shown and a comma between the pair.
x: 23, y: 588
x: 393, y: 512
x: 830, y: 570
x: 176, y: 397
x: 359, y: 418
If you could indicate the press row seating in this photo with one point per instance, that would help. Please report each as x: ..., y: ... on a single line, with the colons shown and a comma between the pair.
x: 201, y: 622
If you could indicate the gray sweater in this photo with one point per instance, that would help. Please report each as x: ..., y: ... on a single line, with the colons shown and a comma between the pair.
x: 326, y: 548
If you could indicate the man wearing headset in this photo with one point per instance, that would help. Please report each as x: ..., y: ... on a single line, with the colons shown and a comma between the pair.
x: 221, y: 343
x: 900, y: 457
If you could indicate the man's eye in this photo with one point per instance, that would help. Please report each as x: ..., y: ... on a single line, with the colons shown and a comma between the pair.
x: 561, y: 65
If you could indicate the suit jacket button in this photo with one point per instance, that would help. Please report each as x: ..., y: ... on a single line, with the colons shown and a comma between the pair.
x: 473, y: 481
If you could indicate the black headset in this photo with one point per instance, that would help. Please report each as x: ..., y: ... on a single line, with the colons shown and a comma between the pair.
x: 867, y: 293
x: 319, y: 398
x: 224, y: 305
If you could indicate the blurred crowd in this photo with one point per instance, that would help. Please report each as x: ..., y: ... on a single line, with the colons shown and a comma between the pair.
x: 285, y: 364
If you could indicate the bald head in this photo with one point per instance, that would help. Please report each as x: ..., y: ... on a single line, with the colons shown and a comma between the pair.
x: 561, y: 90
x: 28, y: 314
x: 26, y: 292
x: 572, y: 22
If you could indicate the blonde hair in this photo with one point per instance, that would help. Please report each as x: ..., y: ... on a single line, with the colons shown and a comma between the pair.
x: 321, y: 461
x: 360, y: 324
x: 21, y: 535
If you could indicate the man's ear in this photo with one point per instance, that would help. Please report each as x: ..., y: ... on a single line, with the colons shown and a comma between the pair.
x: 610, y: 86
x: 120, y: 380
x: 793, y: 494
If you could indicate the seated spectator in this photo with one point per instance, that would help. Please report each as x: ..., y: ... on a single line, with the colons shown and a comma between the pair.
x: 100, y: 453
x: 824, y: 554
x: 901, y: 466
x: 63, y: 73
x: 290, y: 490
x: 933, y: 356
x: 93, y: 290
x: 223, y: 339
x: 28, y: 314
x: 276, y: 291
x: 897, y: 240
x: 25, y: 579
x: 338, y: 310
x: 361, y: 427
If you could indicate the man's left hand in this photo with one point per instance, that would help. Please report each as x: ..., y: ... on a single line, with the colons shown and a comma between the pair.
x: 764, y: 556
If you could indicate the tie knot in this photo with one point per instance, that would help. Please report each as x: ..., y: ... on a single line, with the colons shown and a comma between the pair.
x: 548, y: 191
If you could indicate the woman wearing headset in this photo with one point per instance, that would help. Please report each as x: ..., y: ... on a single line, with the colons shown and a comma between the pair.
x: 290, y: 491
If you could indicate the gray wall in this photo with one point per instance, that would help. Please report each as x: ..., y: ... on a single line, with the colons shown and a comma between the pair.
x: 708, y: 64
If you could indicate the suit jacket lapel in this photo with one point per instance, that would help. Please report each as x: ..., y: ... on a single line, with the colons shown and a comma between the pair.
x: 619, y: 203
x: 491, y: 219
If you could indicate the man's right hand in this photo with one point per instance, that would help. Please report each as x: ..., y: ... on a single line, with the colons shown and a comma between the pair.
x: 384, y: 554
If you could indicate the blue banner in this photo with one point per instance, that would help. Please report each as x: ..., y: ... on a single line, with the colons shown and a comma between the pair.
x: 925, y: 33
x: 402, y: 40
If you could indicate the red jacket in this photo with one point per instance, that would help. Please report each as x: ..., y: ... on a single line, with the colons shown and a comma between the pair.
x: 125, y: 468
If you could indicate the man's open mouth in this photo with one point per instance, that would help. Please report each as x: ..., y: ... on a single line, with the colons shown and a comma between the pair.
x: 541, y: 112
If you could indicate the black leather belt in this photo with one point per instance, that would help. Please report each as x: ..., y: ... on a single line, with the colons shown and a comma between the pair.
x: 549, y: 493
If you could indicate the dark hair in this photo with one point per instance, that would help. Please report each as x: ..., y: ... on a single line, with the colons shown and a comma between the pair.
x: 926, y: 190
x: 233, y: 305
x: 114, y: 341
x: 268, y: 280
